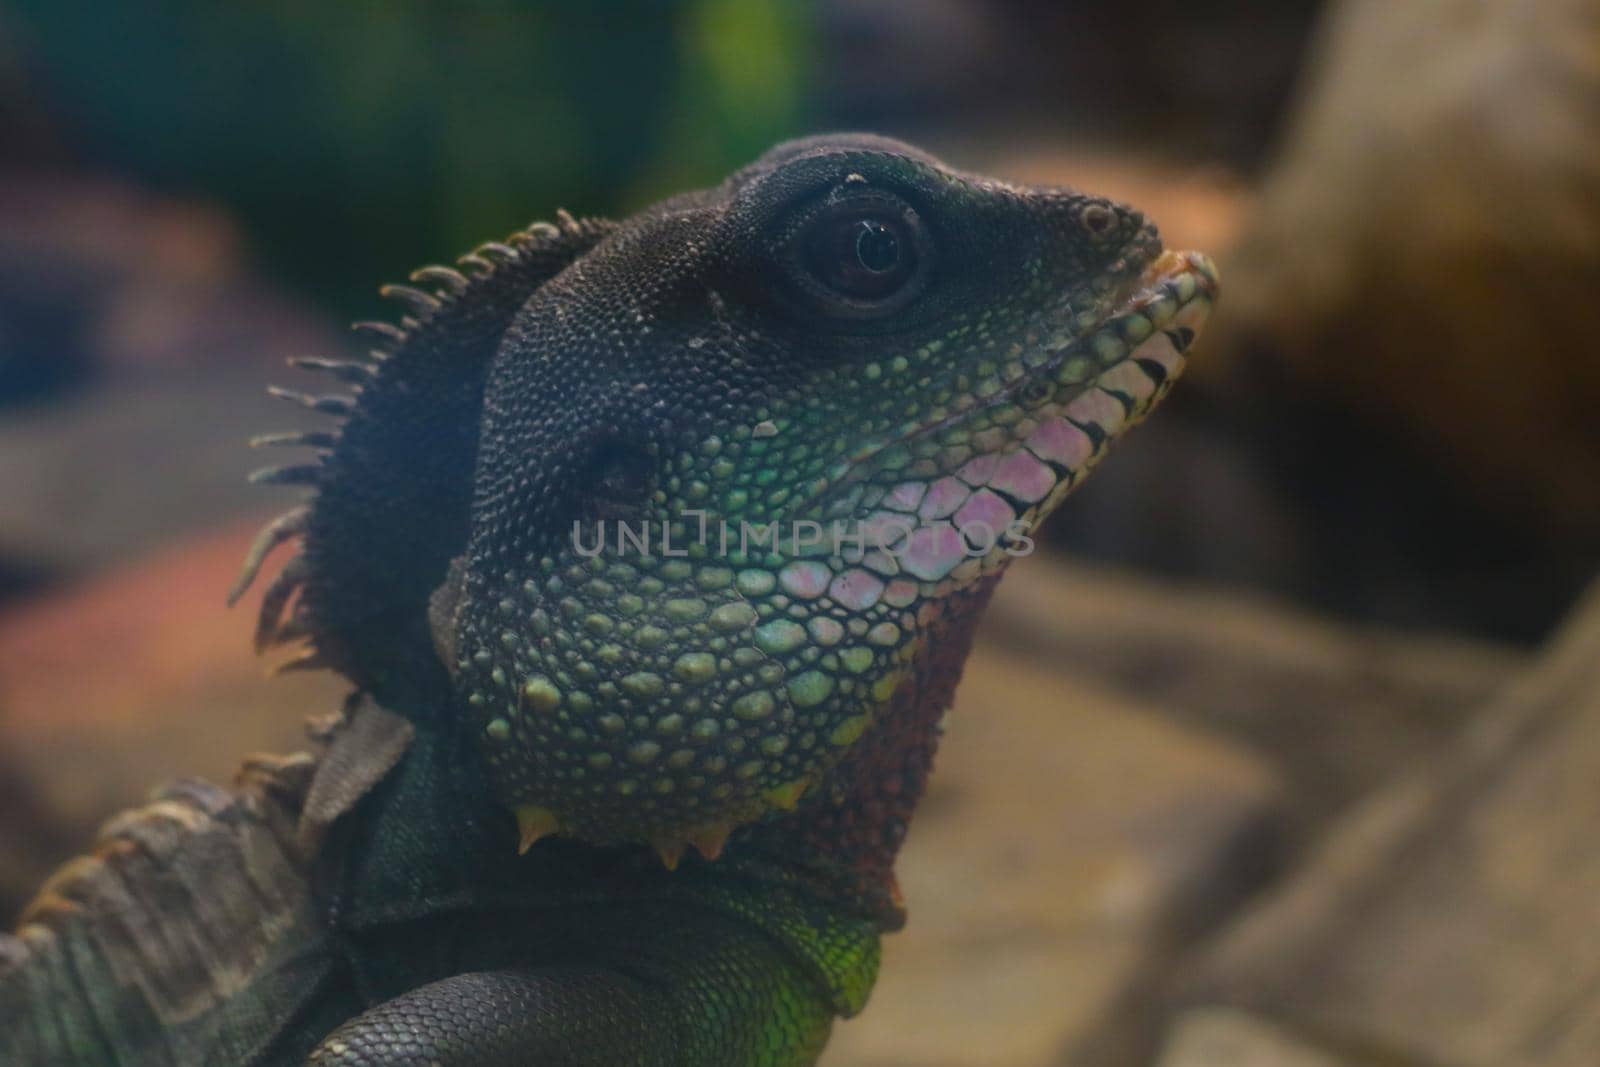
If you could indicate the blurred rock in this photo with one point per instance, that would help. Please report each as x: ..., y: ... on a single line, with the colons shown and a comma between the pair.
x: 1211, y: 78
x: 115, y: 472
x: 1336, y: 709
x: 135, y: 343
x: 1409, y: 319
x: 1451, y: 918
x: 96, y: 275
x: 1427, y: 249
x: 1218, y: 1037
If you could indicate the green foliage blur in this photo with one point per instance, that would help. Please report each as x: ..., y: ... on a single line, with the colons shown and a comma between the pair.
x: 355, y: 141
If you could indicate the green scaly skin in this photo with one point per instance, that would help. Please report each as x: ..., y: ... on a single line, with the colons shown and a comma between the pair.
x: 632, y: 804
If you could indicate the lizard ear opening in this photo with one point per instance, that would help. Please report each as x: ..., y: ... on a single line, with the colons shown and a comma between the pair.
x: 393, y: 487
x: 623, y: 474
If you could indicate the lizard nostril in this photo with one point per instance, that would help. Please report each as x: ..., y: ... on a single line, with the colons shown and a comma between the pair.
x: 1098, y: 219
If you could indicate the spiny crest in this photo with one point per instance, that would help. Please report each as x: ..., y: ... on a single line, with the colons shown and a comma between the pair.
x: 171, y: 915
x: 182, y: 810
x: 433, y: 357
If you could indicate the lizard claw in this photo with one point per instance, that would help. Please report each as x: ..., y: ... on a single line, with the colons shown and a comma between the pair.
x: 532, y: 824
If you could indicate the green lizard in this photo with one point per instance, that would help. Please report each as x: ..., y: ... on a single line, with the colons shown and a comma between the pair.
x: 653, y: 549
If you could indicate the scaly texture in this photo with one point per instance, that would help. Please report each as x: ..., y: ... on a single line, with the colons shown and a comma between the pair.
x: 655, y: 548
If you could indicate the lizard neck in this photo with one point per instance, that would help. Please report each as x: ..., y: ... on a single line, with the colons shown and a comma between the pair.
x: 844, y: 841
x: 838, y: 847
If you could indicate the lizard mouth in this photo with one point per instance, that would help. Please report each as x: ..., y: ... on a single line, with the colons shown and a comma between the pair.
x: 1172, y: 281
x: 955, y: 494
x: 1040, y: 423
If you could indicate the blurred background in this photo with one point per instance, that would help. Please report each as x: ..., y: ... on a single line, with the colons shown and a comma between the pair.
x: 1294, y: 638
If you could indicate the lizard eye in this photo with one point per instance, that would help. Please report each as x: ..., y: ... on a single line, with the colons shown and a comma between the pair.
x: 867, y: 257
x: 862, y: 257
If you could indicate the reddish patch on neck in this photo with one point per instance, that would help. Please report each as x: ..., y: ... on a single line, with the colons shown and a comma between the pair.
x: 846, y: 840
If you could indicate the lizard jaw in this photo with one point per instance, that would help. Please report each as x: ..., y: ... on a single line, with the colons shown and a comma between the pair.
x: 1007, y: 460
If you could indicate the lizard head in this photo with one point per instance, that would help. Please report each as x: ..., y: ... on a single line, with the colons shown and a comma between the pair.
x: 748, y: 446
x: 734, y: 460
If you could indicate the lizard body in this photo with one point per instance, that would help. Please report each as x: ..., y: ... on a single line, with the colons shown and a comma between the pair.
x: 602, y: 797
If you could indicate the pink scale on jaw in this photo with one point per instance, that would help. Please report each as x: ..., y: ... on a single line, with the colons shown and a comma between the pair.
x: 900, y: 593
x: 825, y: 631
x: 856, y: 590
x: 905, y: 496
x: 990, y: 441
x: 805, y: 579
x: 944, y: 497
x: 978, y: 469
x: 880, y: 561
x: 1022, y: 477
x: 886, y: 529
x: 986, y: 511
x: 1058, y: 441
x: 933, y: 551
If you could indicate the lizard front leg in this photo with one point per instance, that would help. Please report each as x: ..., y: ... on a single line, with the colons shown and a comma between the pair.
x: 714, y: 994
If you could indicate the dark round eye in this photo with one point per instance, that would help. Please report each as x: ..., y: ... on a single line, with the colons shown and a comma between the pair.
x: 861, y: 257
x: 877, y: 248
x: 866, y: 258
